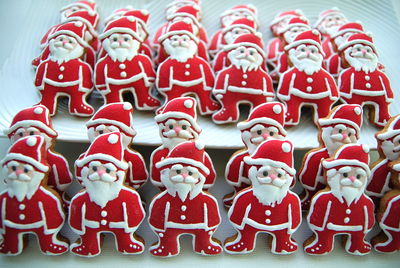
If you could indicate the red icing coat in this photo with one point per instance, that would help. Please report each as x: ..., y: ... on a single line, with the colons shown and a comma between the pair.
x: 236, y: 171
x: 246, y: 209
x: 42, y: 210
x: 274, y: 49
x: 215, y: 44
x: 327, y: 212
x: 391, y: 217
x: 124, y: 212
x: 167, y: 211
x: 379, y: 180
x: 221, y: 61
x: 59, y: 176
x: 311, y: 172
x: 283, y: 64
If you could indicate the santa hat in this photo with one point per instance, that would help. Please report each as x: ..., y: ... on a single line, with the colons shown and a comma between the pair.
x: 352, y: 27
x: 358, y: 38
x: 30, y: 150
x: 242, y: 23
x: 36, y: 116
x: 325, y: 13
x: 296, y: 22
x: 392, y: 129
x: 142, y: 15
x: 349, y: 155
x: 195, y: 3
x: 311, y: 37
x: 116, y: 114
x: 117, y: 12
x: 286, y: 14
x: 180, y: 27
x: 182, y: 108
x: 187, y: 153
x: 107, y: 148
x: 349, y: 114
x: 277, y: 153
x: 192, y: 12
x: 75, y: 29
x: 89, y: 18
x: 88, y: 5
x: 122, y: 25
x: 248, y: 40
x: 249, y: 9
x: 270, y: 113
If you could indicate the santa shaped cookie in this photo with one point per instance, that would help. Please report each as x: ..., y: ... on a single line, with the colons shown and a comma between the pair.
x: 184, y: 73
x: 265, y: 122
x: 118, y: 117
x: 342, y: 208
x: 268, y: 206
x: 363, y: 83
x: 341, y: 126
x: 29, y: 206
x: 388, y: 141
x: 388, y: 241
x: 306, y: 83
x: 245, y: 81
x: 105, y: 205
x: 36, y: 120
x: 184, y: 208
x: 177, y: 123
x: 63, y: 73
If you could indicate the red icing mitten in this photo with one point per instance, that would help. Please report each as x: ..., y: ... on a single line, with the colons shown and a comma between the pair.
x: 105, y: 205
x: 244, y: 81
x: 36, y: 121
x: 184, y: 208
x: 267, y: 206
x: 342, y: 208
x: 389, y: 150
x: 264, y: 122
x: 177, y: 123
x: 123, y: 69
x: 342, y: 126
x: 306, y: 83
x: 363, y: 83
x: 184, y: 73
x: 28, y: 205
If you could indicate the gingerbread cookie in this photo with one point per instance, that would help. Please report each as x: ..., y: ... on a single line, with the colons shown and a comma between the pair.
x: 268, y: 206
x: 341, y: 126
x: 306, y: 83
x: 342, y: 208
x: 29, y: 206
x: 184, y: 208
x: 105, y: 205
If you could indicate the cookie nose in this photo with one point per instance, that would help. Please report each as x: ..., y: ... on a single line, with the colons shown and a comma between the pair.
x: 101, y: 172
x: 265, y: 136
x: 177, y: 129
x: 272, y: 176
x: 352, y: 178
x: 18, y: 171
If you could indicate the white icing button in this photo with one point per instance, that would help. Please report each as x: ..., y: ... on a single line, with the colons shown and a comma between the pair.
x: 368, y: 85
x: 60, y: 77
x: 245, y: 76
x: 123, y: 74
x: 268, y: 212
x: 161, y: 235
x: 309, y: 89
x: 183, y: 208
x: 367, y: 77
x: 187, y: 65
x: 187, y: 73
x: 268, y: 221
x: 21, y: 216
x: 122, y: 66
x: 62, y: 68
x: 244, y: 83
x: 183, y: 217
x: 21, y: 207
x: 103, y: 222
x: 309, y: 80
x: 346, y: 220
x: 348, y: 211
x: 104, y: 213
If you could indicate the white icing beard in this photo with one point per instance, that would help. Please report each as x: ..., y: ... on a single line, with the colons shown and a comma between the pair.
x: 345, y: 192
x: 182, y: 52
x: 308, y: 65
x: 366, y: 64
x: 100, y: 191
x: 183, y: 189
x: 61, y: 54
x: 245, y: 63
x: 22, y: 186
x: 272, y: 193
x: 121, y: 52
x: 387, y: 147
x: 330, y: 144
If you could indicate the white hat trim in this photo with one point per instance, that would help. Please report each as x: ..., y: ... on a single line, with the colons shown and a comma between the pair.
x: 24, y: 158
x: 247, y: 124
x: 183, y: 160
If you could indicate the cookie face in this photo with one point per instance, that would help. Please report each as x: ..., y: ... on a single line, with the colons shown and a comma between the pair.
x: 28, y: 204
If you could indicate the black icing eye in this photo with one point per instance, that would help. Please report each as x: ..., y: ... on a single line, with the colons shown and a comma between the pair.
x: 350, y: 134
x: 236, y: 32
x: 271, y: 133
x: 94, y: 169
x: 358, y: 49
x: 265, y: 173
x: 242, y: 51
x: 184, y: 127
x: 70, y: 42
x: 358, y: 176
x: 14, y: 168
x: 259, y: 132
x: 101, y: 132
x: 26, y: 170
x: 31, y: 133
x: 251, y: 53
x: 279, y: 175
x: 190, y: 173
x: 20, y: 134
x: 126, y: 39
x: 108, y: 170
x: 61, y: 39
x: 171, y: 126
x: 303, y: 50
x: 345, y: 175
x: 178, y: 171
x: 115, y: 39
x: 340, y: 131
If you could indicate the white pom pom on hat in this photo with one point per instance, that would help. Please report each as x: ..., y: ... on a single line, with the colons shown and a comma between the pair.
x: 315, y: 32
x: 31, y: 141
x: 131, y: 18
x: 277, y: 109
x: 357, y: 110
x: 199, y: 145
x: 365, y: 148
x: 127, y: 106
x: 188, y: 103
x: 286, y: 147
x: 78, y: 23
x: 38, y: 110
x: 113, y: 138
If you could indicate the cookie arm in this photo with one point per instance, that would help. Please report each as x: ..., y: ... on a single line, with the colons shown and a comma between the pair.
x: 60, y: 169
x: 369, y: 215
x: 345, y: 84
x: 238, y: 210
x: 295, y: 212
x: 208, y: 73
x: 234, y: 169
x: 386, y: 85
x: 134, y: 212
x: 219, y: 61
x: 148, y: 68
x: 164, y: 76
x: 284, y: 85
x: 212, y: 213
x: 210, y: 179
x: 319, y: 211
x: 76, y: 215
x: 40, y: 75
x: 52, y: 213
x: 99, y: 75
x: 87, y: 74
x: 310, y: 170
x: 332, y: 86
x: 154, y: 171
x: 159, y: 210
x: 137, y: 173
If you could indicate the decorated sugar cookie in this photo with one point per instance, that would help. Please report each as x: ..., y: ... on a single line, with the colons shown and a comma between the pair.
x: 268, y: 206
x: 244, y: 81
x: 342, y: 208
x: 64, y: 73
x: 184, y: 73
x: 264, y: 122
x: 363, y: 83
x: 177, y: 123
x: 105, y: 205
x: 342, y: 126
x: 124, y: 69
x: 184, y: 208
x: 27, y: 205
x: 306, y: 83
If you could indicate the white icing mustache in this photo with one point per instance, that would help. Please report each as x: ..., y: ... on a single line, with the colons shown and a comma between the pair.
x: 105, y: 177
x: 276, y: 182
x: 59, y: 44
x: 361, y: 55
x: 310, y: 56
x: 119, y: 45
x: 181, y: 179
x: 244, y: 57
x: 182, y: 134
x: 257, y: 140
x: 20, y: 177
x: 180, y: 44
x: 348, y: 182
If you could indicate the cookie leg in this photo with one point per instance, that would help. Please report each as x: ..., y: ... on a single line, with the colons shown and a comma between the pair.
x: 306, y: 200
x: 79, y: 106
x: 244, y: 241
x: 292, y: 112
x: 89, y: 244
x: 229, y: 110
x: 282, y: 243
x: 50, y: 244
x: 321, y: 244
x: 167, y: 245
x: 143, y: 97
x: 12, y: 243
x: 114, y: 95
x: 391, y: 244
x: 206, y: 103
x: 322, y: 109
x: 204, y: 243
x: 382, y: 114
x: 49, y: 99
x: 357, y: 245
x: 127, y: 244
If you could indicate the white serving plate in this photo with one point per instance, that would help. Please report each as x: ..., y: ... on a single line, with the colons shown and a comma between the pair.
x: 33, y: 18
